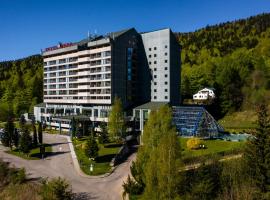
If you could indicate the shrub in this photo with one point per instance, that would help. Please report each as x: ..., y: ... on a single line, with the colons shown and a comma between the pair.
x: 56, y: 189
x: 194, y: 143
x: 19, y: 176
x: 131, y: 187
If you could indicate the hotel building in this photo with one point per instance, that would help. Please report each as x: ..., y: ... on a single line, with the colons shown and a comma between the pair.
x: 83, y: 78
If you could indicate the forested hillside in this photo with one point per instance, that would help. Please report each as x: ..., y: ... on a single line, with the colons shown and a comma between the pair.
x: 232, y: 57
x: 21, y: 83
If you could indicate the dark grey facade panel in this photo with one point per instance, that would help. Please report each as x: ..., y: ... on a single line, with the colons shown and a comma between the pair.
x: 175, y: 70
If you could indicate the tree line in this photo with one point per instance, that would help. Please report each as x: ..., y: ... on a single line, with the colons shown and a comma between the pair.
x: 21, y: 86
x: 231, y: 57
x: 24, y: 138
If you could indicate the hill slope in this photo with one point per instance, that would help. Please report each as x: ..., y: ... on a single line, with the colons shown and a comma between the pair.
x: 233, y: 57
x: 21, y: 85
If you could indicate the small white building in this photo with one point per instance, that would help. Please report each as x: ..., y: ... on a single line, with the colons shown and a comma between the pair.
x: 204, y: 94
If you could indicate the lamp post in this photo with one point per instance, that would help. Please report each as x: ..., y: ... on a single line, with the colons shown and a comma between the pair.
x: 91, y: 167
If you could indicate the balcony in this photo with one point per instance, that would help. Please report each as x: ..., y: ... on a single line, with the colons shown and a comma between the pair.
x: 84, y: 73
x: 84, y: 66
x: 83, y: 94
x: 84, y: 80
x: 84, y: 59
x: 86, y: 87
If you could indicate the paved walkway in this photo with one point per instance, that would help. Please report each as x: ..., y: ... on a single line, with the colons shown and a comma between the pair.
x: 61, y: 164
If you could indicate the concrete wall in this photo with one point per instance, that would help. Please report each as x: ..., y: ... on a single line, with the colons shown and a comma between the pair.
x: 156, y: 44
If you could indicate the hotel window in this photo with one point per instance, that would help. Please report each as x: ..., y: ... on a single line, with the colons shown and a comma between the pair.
x: 155, y: 76
x: 145, y: 114
x: 107, y: 53
x: 95, y: 112
x: 166, y: 97
x: 53, y: 62
x: 155, y: 55
x: 155, y: 69
x: 155, y: 48
x: 155, y: 62
x: 166, y: 54
x: 166, y: 68
x: 166, y: 90
x: 149, y: 56
x: 166, y: 61
x: 103, y: 113
x: 166, y: 75
x: 166, y: 83
x: 155, y: 83
x: 137, y: 114
x: 166, y: 46
x: 155, y: 97
x: 155, y: 90
x: 149, y: 49
x: 149, y: 63
x: 62, y: 61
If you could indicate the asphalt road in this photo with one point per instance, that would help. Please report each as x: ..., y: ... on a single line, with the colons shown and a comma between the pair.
x: 60, y: 164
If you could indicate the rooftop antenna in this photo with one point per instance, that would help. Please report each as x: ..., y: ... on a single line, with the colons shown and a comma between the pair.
x: 88, y: 34
x: 95, y: 32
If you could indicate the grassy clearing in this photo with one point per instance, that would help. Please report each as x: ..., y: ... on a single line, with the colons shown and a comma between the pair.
x: 239, y: 121
x: 34, y: 153
x: 102, y: 163
x: 213, y: 147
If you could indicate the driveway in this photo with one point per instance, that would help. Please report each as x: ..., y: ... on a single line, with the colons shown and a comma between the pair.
x: 60, y: 164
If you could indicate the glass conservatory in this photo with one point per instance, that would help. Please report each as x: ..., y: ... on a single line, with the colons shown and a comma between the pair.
x: 195, y: 121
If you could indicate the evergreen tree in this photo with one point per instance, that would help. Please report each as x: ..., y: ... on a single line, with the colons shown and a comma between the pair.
x: 35, y: 139
x: 16, y: 138
x: 73, y: 127
x: 91, y: 149
x: 206, y: 183
x: 116, y: 124
x: 25, y: 141
x: 257, y: 153
x: 22, y: 121
x: 40, y: 134
x: 7, y: 138
x: 103, y: 135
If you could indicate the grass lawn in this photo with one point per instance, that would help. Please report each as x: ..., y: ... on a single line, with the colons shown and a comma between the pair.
x: 2, y: 124
x: 212, y: 147
x: 239, y: 121
x: 34, y: 153
x: 102, y: 163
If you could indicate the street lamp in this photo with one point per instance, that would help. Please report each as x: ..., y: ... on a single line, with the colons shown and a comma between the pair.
x: 91, y: 167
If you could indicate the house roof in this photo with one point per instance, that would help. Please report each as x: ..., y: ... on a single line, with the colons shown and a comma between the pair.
x: 208, y: 88
x: 151, y: 105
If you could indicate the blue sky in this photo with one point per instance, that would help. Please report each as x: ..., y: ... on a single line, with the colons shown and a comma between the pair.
x: 26, y: 26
